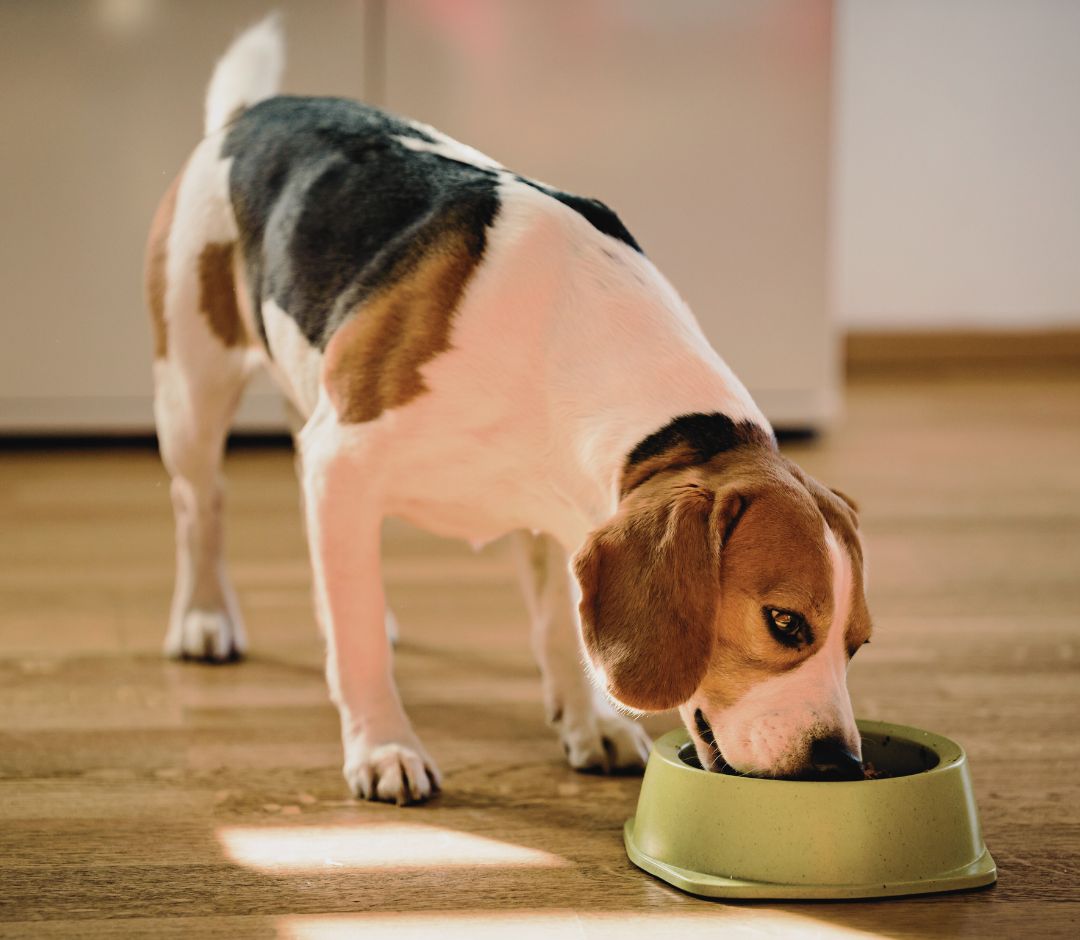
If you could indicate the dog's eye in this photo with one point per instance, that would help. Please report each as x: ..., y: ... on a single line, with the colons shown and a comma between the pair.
x: 785, y: 621
x: 788, y: 627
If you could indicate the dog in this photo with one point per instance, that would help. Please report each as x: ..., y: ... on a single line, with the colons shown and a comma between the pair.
x: 481, y: 353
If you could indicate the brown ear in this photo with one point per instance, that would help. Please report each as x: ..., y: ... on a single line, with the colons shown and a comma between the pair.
x: 650, y: 583
x: 832, y: 503
x: 852, y: 505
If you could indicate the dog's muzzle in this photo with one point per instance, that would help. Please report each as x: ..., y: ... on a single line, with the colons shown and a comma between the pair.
x: 828, y: 757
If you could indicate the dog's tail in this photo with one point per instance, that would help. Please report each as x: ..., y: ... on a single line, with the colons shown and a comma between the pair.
x: 248, y: 72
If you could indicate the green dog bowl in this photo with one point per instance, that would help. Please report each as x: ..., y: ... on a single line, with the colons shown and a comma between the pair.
x: 913, y: 830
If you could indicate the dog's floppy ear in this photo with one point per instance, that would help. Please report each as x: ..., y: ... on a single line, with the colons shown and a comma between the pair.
x: 650, y: 582
x: 851, y: 504
x: 831, y: 502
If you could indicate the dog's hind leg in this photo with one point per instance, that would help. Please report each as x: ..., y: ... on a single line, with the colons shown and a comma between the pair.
x: 204, y: 619
x: 202, y: 362
x: 594, y: 736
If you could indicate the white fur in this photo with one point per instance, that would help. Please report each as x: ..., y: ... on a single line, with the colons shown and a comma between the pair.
x: 293, y: 361
x: 197, y: 388
x: 772, y: 727
x: 248, y: 72
x: 568, y: 348
x: 383, y: 757
x: 447, y: 147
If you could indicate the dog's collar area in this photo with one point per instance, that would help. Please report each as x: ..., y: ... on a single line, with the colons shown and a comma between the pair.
x: 688, y: 440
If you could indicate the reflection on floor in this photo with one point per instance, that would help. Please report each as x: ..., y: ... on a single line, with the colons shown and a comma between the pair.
x: 735, y: 923
x: 366, y: 845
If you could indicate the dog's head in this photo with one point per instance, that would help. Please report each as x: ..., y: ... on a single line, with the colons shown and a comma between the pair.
x: 733, y: 590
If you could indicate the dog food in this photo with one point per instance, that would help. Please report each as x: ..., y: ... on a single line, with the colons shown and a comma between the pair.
x: 688, y: 756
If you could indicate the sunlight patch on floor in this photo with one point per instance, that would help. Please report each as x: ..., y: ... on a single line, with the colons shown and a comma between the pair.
x: 711, y: 920
x: 369, y: 846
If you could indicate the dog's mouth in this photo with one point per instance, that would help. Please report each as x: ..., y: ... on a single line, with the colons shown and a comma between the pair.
x: 717, y: 764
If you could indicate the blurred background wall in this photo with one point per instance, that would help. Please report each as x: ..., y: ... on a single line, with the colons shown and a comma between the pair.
x: 956, y: 164
x: 796, y: 167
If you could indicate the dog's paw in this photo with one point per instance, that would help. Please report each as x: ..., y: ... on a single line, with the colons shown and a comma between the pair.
x: 605, y: 743
x: 207, y: 635
x: 392, y: 773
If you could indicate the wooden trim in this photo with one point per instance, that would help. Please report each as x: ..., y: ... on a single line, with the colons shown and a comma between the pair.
x: 961, y: 350
x: 261, y: 412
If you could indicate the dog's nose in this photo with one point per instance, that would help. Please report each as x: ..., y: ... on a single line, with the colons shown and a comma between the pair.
x: 831, y: 758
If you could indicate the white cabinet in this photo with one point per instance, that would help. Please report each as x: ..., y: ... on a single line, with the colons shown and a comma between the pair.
x: 703, y: 123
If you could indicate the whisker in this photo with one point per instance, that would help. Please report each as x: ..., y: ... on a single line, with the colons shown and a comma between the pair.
x: 709, y: 739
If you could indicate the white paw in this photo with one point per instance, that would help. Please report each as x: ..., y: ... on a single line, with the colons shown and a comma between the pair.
x: 208, y: 635
x: 604, y: 743
x: 391, y: 773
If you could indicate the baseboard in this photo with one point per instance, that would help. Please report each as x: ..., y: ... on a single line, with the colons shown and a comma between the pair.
x: 869, y: 352
x: 125, y: 416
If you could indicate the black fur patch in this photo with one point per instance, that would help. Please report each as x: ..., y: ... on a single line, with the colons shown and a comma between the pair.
x: 599, y: 216
x: 330, y: 205
x: 706, y: 434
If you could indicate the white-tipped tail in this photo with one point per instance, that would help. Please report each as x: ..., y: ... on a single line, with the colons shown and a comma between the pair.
x: 248, y: 72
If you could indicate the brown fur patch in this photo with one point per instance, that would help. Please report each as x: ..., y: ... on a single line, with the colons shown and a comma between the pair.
x: 156, y: 258
x: 217, y: 293
x: 373, y: 361
x: 678, y: 455
x: 650, y: 583
x: 779, y: 558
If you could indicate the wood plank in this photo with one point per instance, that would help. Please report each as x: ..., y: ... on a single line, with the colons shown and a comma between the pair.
x: 123, y: 777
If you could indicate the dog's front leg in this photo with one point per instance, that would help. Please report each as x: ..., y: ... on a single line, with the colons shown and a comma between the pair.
x: 594, y: 736
x: 384, y: 760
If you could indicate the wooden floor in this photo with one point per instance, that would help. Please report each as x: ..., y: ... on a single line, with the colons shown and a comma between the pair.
x: 145, y: 798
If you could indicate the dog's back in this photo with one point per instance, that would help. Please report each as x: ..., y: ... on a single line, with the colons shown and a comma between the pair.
x: 335, y: 201
x: 319, y: 210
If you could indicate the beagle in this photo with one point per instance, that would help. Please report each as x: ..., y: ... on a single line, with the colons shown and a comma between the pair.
x: 480, y: 353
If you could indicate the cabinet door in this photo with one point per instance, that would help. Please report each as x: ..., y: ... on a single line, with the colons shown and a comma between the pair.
x: 704, y: 123
x: 102, y: 104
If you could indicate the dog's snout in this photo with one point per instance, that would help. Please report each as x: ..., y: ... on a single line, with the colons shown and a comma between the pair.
x: 831, y: 758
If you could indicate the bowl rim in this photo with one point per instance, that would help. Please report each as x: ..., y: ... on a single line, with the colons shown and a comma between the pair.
x: 950, y: 755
